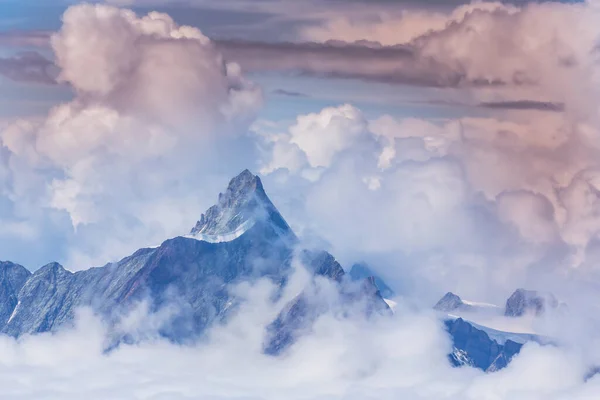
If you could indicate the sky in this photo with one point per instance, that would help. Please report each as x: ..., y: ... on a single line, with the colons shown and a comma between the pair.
x: 452, y: 146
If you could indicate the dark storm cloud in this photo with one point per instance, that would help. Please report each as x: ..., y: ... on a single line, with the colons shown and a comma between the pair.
x: 525, y: 105
x: 28, y: 67
x: 288, y: 93
x: 361, y: 60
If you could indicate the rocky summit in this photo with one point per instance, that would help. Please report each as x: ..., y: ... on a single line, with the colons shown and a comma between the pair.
x: 524, y: 301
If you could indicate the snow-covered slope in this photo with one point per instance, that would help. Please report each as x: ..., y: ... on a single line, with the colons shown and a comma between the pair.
x: 223, y: 237
x: 501, y: 331
x: 391, y: 304
x: 454, y: 304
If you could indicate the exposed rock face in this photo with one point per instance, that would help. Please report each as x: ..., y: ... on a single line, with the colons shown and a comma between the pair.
x: 298, y: 316
x: 474, y: 347
x: 524, y: 301
x: 12, y: 279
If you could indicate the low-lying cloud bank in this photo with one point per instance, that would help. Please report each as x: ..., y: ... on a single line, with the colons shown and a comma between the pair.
x: 400, y: 356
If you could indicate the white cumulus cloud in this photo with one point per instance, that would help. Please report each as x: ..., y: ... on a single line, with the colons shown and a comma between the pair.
x: 155, y: 103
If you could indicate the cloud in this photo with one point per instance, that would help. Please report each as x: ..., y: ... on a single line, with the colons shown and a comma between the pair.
x: 28, y: 67
x: 344, y: 358
x: 30, y: 38
x: 155, y: 104
x: 548, y: 52
x: 438, y: 48
x: 475, y: 205
x: 398, y: 64
x: 315, y: 141
x: 531, y: 214
x: 524, y: 105
x: 143, y: 71
x: 396, y: 29
x: 321, y: 136
x: 343, y: 158
x: 288, y: 93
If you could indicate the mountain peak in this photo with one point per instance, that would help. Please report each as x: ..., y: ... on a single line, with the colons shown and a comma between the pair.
x: 523, y: 301
x: 243, y: 204
x: 242, y: 186
x: 51, y: 268
x: 244, y: 176
x: 449, y: 302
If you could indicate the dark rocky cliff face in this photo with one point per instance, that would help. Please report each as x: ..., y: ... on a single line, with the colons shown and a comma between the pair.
x: 473, y: 347
x: 12, y: 279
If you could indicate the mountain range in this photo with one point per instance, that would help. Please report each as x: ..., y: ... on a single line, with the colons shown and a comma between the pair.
x: 241, y: 238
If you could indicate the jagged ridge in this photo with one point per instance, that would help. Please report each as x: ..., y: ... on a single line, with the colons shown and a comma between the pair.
x: 192, y: 273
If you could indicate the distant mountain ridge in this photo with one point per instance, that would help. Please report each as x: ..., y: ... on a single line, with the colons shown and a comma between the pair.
x: 524, y: 301
x: 477, y: 345
x: 520, y: 302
